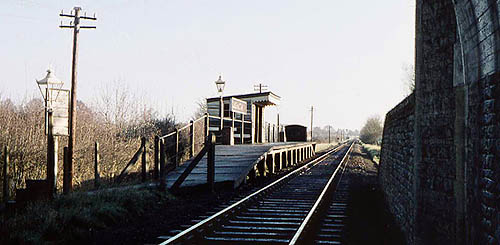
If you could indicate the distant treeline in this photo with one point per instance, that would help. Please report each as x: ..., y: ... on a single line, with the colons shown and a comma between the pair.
x: 321, y: 134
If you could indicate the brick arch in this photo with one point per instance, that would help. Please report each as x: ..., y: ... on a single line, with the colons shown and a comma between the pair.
x: 457, y: 175
x: 440, y: 157
x: 478, y: 28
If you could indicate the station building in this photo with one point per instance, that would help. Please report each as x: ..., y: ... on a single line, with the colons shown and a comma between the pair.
x: 244, y: 114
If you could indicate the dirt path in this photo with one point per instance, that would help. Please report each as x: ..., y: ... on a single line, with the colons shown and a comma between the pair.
x: 369, y: 221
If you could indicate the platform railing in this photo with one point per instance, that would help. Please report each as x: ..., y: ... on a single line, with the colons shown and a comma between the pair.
x: 180, y: 145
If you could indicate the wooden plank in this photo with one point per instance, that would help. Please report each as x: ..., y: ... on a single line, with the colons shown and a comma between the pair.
x: 130, y: 163
x: 186, y: 172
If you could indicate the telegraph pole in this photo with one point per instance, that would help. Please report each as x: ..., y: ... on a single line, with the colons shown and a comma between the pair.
x: 259, y: 87
x: 312, y: 112
x: 75, y: 25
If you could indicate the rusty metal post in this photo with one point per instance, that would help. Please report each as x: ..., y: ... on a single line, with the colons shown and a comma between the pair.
x: 5, y: 174
x: 211, y: 162
x: 156, y: 170
x: 68, y: 172
x: 143, y: 160
x: 97, y: 177
x: 163, y: 170
x: 191, y: 132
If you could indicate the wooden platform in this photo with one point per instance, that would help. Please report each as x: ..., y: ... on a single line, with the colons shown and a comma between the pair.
x: 234, y: 163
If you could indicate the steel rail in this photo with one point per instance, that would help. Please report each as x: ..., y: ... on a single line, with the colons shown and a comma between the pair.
x: 319, y: 200
x: 227, y: 209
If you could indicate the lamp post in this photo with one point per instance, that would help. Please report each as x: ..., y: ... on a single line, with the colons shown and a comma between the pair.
x: 50, y: 84
x: 50, y: 81
x: 220, y: 88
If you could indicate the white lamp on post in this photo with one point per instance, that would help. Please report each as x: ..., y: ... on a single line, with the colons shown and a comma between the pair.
x: 50, y: 84
x: 220, y: 88
x: 50, y: 81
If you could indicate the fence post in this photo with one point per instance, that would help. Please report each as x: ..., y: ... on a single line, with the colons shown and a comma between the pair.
x: 163, y: 180
x: 156, y: 158
x: 68, y: 173
x: 207, y: 125
x: 177, y: 147
x: 211, y: 162
x: 191, y: 131
x: 143, y: 160
x: 97, y: 177
x: 5, y: 174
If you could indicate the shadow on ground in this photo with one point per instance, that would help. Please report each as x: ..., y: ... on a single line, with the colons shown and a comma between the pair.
x: 369, y: 221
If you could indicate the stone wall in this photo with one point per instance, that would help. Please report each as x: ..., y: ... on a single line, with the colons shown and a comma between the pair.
x: 454, y: 167
x: 435, y: 117
x: 396, y: 173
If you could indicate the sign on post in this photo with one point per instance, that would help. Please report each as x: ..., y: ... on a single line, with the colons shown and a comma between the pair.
x: 58, y: 102
x: 238, y: 106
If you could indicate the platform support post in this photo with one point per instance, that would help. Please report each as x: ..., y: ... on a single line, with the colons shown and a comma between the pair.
x: 261, y: 166
x: 277, y: 162
x: 270, y: 162
x: 253, y: 174
x: 285, y: 158
x: 211, y: 162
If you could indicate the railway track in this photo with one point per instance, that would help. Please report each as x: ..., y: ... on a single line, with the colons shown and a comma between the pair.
x: 297, y: 208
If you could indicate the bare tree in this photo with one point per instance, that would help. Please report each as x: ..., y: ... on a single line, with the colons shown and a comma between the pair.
x: 409, y: 78
x: 372, y: 130
x: 201, y: 108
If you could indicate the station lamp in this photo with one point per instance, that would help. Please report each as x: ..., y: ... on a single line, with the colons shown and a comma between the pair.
x: 220, y: 85
x: 220, y: 88
x: 50, y: 81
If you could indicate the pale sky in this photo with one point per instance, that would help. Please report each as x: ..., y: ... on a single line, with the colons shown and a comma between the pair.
x: 343, y: 57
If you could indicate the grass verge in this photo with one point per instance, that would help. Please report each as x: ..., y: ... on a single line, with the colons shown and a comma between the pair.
x: 73, y: 219
x: 373, y: 152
